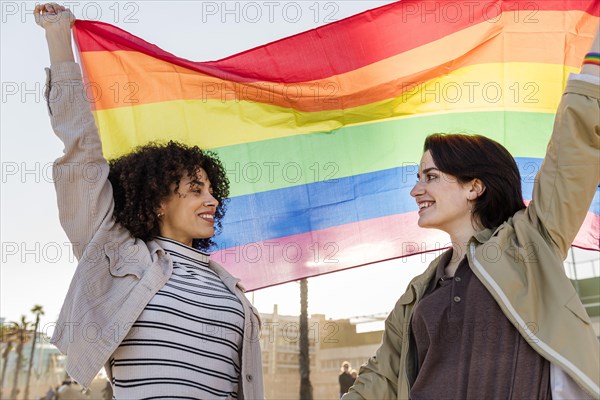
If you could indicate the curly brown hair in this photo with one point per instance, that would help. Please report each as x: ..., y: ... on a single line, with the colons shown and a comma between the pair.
x: 141, y: 180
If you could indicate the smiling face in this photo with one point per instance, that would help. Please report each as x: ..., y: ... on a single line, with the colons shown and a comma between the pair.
x: 443, y: 201
x: 188, y: 213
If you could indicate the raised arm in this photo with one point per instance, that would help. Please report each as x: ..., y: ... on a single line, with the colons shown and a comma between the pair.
x: 569, y: 176
x: 84, y: 194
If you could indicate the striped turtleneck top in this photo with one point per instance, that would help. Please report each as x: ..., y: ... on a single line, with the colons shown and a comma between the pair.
x: 187, y: 342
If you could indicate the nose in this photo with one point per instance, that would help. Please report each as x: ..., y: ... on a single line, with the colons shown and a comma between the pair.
x: 211, y: 201
x: 417, y: 189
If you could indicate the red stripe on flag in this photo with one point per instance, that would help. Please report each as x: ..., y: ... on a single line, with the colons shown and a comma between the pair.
x: 340, y: 46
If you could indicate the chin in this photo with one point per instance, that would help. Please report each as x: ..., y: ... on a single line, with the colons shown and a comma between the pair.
x: 424, y: 224
x: 206, y: 235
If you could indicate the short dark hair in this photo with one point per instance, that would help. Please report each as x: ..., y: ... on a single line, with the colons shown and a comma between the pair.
x: 142, y: 179
x: 467, y: 157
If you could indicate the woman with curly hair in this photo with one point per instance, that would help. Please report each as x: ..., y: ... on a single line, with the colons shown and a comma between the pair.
x: 145, y: 301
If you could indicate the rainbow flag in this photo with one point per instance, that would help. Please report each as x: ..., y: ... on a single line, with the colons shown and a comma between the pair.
x: 322, y: 132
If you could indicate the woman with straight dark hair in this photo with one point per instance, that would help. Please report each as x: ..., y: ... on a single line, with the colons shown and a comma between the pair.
x: 476, y: 157
x: 495, y: 316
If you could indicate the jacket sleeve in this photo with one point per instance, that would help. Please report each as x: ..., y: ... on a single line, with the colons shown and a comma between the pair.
x: 80, y: 176
x: 378, y: 378
x: 567, y: 181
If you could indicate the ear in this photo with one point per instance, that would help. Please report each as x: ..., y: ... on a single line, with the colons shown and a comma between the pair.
x: 476, y: 189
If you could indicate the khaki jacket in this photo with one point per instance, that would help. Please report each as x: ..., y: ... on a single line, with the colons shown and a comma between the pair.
x: 117, y: 274
x: 521, y: 265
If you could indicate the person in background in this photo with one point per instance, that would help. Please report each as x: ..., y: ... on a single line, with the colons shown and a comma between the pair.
x: 50, y: 394
x: 495, y: 316
x: 345, y: 378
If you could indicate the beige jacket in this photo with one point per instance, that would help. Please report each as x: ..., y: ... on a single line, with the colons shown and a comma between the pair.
x: 117, y: 274
x: 520, y: 263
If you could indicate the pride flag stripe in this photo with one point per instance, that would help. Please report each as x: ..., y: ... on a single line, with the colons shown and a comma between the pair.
x: 340, y: 201
x: 296, y: 61
x: 266, y: 165
x: 524, y: 87
x: 368, y: 85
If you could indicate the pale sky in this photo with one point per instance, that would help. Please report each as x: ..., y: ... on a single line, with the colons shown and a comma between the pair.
x: 36, y: 264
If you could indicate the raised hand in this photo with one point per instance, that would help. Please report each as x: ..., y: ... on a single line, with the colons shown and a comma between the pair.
x: 57, y: 21
x: 53, y: 16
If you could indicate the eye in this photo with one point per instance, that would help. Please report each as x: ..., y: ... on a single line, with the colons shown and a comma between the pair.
x: 429, y: 176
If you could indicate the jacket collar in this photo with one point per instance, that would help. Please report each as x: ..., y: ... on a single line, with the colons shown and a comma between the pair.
x: 442, y: 261
x: 154, y: 247
x: 435, y: 266
x: 483, y: 236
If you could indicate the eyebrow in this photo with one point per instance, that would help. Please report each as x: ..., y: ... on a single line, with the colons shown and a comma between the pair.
x: 196, y: 182
x: 426, y: 171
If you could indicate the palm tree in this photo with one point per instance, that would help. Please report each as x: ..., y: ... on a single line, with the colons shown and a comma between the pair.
x: 9, y: 336
x: 306, y: 390
x: 22, y: 337
x: 37, y: 310
x: 5, y: 353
